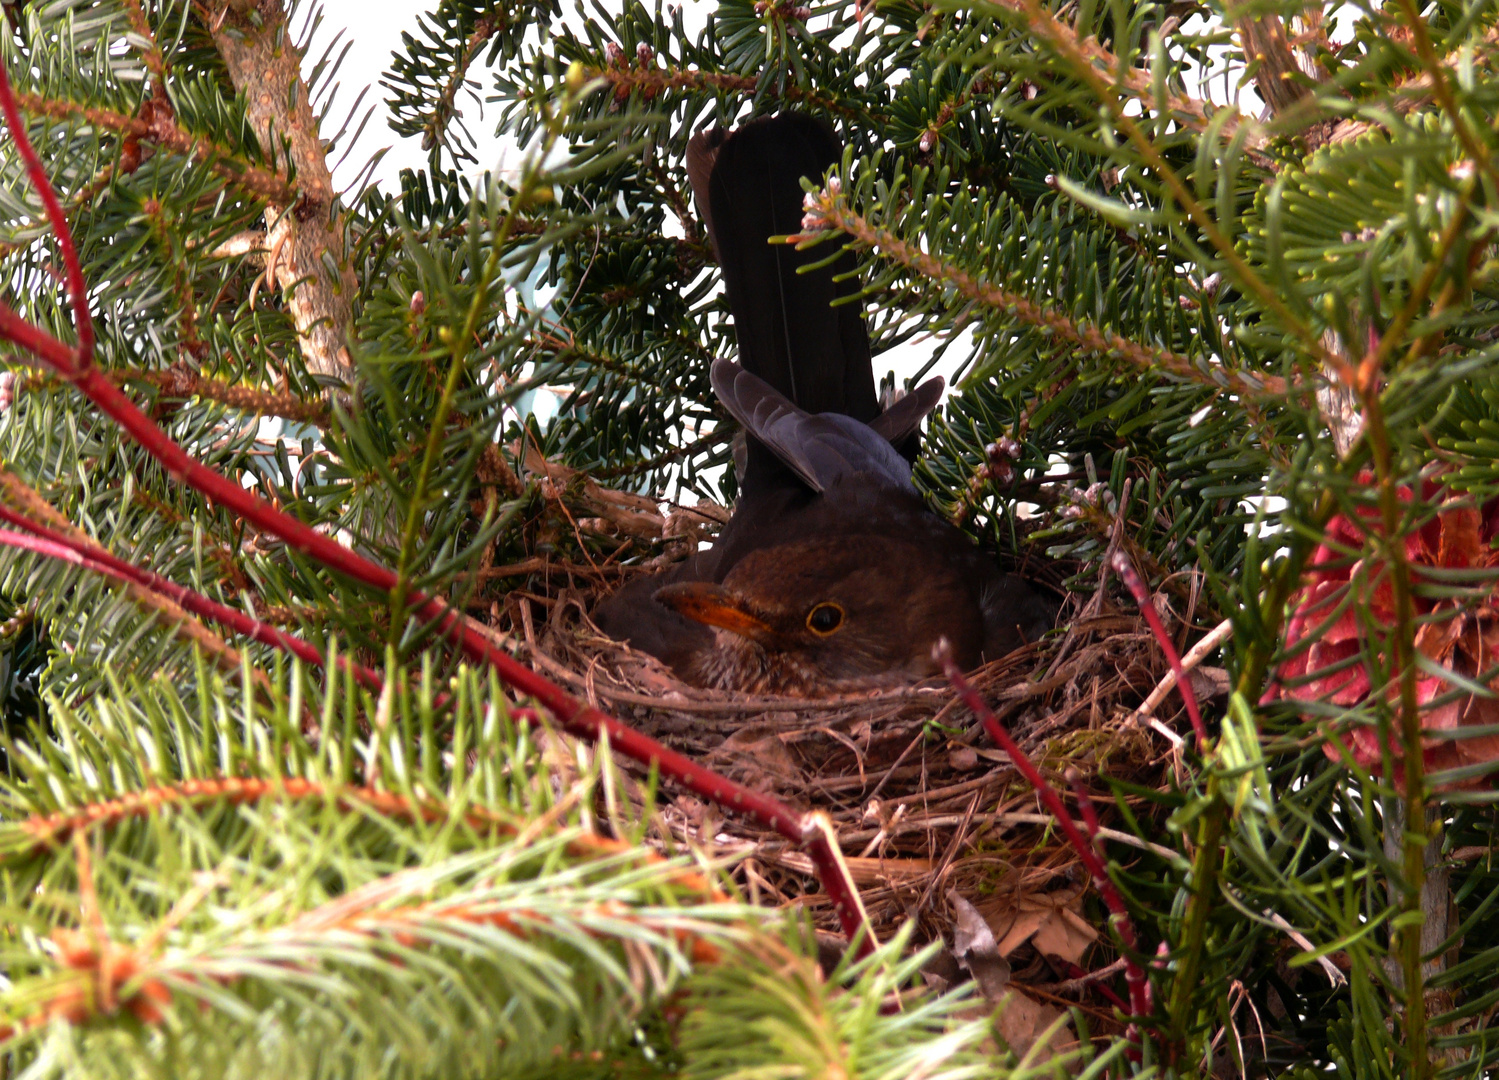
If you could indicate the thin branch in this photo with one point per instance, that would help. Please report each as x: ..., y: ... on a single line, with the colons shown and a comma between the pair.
x: 177, y: 601
x: 83, y: 321
x: 261, y: 183
x: 1136, y: 585
x: 1195, y: 655
x: 1139, y: 994
x: 830, y: 210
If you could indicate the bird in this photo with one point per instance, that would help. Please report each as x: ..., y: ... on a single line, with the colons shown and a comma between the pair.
x: 832, y: 575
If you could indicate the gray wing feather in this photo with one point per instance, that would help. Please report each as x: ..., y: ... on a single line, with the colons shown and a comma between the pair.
x: 820, y: 449
x: 900, y: 421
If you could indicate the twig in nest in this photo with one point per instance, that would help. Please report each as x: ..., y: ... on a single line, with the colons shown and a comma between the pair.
x: 1139, y: 988
x: 1196, y: 655
x: 953, y: 847
x: 1136, y: 585
x: 890, y: 772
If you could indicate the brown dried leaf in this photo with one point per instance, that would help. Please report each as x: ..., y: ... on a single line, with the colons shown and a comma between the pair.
x: 1048, y: 920
x: 1066, y: 934
x: 975, y: 949
x: 1022, y: 1020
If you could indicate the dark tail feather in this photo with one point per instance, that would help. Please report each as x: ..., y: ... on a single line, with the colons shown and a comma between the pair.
x: 748, y: 188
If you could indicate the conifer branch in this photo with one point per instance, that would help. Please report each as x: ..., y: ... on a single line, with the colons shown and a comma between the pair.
x: 76, y: 201
x: 1481, y: 156
x: 829, y: 210
x: 1295, y: 111
x: 141, y: 26
x: 651, y: 82
x: 50, y: 831
x: 179, y: 603
x: 179, y: 381
x: 718, y: 435
x: 1108, y: 94
x: 1412, y: 90
x: 184, y: 625
x: 443, y: 108
x: 1194, y: 113
x: 260, y: 183
x: 104, y: 975
x: 314, y: 268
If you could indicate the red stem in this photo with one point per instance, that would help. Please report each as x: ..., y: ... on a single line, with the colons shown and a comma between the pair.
x: 1134, y: 975
x: 1085, y: 806
x: 574, y: 717
x: 77, y: 289
x: 112, y: 566
x: 38, y: 342
x: 1133, y: 582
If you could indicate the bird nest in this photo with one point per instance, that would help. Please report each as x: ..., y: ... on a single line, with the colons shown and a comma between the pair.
x: 926, y: 809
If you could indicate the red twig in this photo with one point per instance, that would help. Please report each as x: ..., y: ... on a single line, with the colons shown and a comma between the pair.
x: 1085, y: 805
x: 575, y: 717
x: 57, y: 545
x: 77, y: 289
x: 1133, y: 582
x: 1134, y: 975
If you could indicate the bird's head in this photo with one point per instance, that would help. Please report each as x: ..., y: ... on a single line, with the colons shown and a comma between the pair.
x: 828, y: 615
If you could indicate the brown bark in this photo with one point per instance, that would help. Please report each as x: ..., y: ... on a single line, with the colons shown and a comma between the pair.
x: 1278, y: 77
x: 306, y: 239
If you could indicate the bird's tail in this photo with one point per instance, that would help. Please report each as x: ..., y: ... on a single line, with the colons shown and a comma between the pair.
x: 747, y: 184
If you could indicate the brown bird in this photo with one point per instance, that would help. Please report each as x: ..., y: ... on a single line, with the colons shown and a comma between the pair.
x: 831, y: 575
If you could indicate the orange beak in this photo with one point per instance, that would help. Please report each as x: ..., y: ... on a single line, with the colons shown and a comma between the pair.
x: 713, y: 605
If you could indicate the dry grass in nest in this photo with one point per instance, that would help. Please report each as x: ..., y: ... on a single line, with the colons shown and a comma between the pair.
x: 923, y: 804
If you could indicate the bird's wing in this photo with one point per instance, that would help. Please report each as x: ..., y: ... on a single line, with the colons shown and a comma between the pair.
x: 821, y: 449
x: 747, y: 185
x: 899, y: 422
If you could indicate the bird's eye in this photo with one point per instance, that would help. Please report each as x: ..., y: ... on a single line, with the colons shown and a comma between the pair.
x: 824, y: 619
